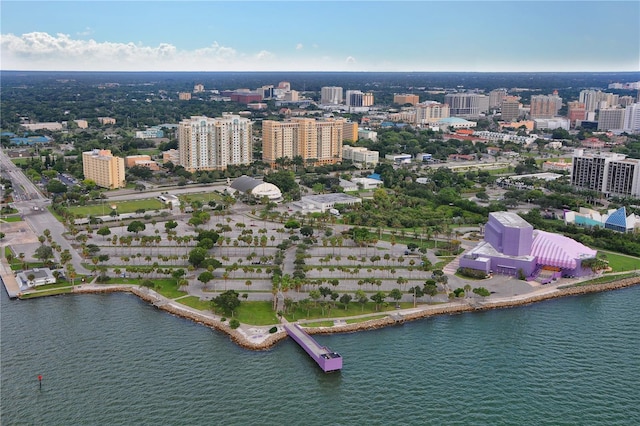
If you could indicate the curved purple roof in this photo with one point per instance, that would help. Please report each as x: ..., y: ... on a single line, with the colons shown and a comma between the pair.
x: 558, y: 250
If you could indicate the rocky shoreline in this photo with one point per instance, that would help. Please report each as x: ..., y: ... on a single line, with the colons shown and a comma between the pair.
x: 264, y: 342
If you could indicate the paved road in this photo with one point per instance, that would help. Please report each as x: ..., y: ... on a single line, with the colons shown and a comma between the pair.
x: 40, y: 219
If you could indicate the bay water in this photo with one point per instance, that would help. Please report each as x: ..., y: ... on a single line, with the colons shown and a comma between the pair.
x: 111, y: 359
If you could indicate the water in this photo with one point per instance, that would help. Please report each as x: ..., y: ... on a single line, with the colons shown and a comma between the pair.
x: 112, y: 359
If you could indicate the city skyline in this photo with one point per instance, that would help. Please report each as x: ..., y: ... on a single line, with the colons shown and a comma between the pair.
x: 376, y: 36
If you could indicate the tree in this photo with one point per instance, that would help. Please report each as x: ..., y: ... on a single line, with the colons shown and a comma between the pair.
x: 417, y: 293
x: 205, y: 277
x: 482, y: 292
x: 172, y: 224
x: 395, y: 294
x: 430, y: 287
x: 56, y: 187
x: 136, y: 226
x: 306, y: 230
x: 378, y: 298
x: 43, y: 253
x: 315, y: 295
x: 197, y: 256
x: 104, y: 231
x: 227, y: 302
x: 345, y: 299
x: 361, y: 298
x: 292, y: 224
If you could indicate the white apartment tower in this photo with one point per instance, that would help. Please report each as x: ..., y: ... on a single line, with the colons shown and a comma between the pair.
x: 331, y: 95
x: 632, y: 118
x: 595, y: 99
x: 214, y: 143
x: 467, y: 104
x: 608, y: 173
x: 611, y: 119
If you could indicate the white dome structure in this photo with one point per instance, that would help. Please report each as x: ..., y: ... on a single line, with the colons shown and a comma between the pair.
x: 257, y: 188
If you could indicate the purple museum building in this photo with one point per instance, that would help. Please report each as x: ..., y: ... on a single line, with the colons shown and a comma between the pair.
x: 511, y: 244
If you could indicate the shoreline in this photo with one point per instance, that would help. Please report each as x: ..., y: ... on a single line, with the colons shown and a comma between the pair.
x: 258, y: 340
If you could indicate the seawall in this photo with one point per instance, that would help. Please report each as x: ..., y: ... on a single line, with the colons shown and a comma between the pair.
x: 244, y: 341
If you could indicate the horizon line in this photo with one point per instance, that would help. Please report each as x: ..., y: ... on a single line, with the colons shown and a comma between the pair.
x: 325, y: 71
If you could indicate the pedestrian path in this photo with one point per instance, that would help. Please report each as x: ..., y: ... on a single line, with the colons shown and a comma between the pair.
x: 452, y: 267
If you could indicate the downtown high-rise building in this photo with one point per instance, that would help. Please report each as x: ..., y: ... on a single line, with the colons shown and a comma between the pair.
x: 545, y: 106
x: 467, y: 104
x: 632, y: 118
x: 595, y: 100
x: 510, y: 108
x: 576, y: 111
x: 331, y: 95
x: 406, y: 98
x: 208, y: 143
x: 607, y: 173
x: 496, y: 97
x: 356, y: 98
x: 611, y: 118
x: 315, y: 141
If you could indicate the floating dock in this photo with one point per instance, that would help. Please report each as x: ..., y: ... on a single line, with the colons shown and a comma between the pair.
x: 323, y: 356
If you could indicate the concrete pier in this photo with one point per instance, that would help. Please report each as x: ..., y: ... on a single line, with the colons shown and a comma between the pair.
x: 8, y: 279
x: 323, y: 356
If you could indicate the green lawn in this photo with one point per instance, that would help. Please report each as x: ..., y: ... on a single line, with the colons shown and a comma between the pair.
x: 319, y: 324
x: 168, y: 288
x: 195, y: 302
x: 12, y: 219
x: 339, y: 312
x: 148, y: 204
x: 203, y: 197
x: 357, y: 320
x: 51, y: 292
x: 621, y: 262
x: 19, y: 161
x: 256, y: 313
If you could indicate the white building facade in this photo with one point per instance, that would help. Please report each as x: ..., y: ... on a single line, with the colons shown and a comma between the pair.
x: 214, y: 143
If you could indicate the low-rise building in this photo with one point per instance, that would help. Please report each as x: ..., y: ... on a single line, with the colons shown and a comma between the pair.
x: 360, y: 155
x: 141, y: 161
x: 323, y: 202
x: 35, y: 277
x: 257, y: 188
x: 106, y: 120
x: 151, y: 133
x: 42, y: 126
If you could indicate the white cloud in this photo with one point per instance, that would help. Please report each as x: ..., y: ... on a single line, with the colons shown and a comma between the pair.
x: 43, y: 51
x: 265, y: 55
x: 350, y: 60
x: 299, y: 46
x: 87, y: 31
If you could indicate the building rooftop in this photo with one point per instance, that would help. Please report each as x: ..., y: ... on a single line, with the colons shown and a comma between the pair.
x: 245, y: 183
x: 510, y: 219
x: 335, y: 198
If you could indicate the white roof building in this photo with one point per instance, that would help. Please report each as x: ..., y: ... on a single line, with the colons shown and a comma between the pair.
x: 257, y: 188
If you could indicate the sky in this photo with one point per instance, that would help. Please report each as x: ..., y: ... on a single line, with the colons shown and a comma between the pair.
x: 385, y: 35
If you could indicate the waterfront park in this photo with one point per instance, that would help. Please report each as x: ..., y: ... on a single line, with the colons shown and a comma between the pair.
x: 248, y: 264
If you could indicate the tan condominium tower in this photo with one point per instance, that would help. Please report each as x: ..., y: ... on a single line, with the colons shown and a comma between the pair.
x: 317, y: 142
x: 103, y: 168
x: 208, y: 143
